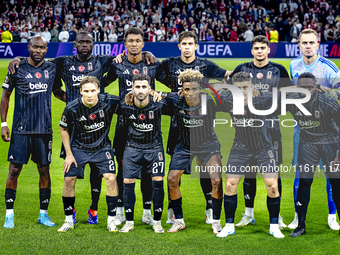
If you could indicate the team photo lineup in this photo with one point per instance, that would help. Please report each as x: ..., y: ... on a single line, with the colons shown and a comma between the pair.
x: 199, y: 90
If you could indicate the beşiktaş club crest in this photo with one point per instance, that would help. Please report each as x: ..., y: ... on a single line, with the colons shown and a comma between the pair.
x: 46, y: 74
x: 89, y: 66
x: 108, y: 155
x: 151, y: 116
x: 160, y: 155
x: 317, y: 114
x: 101, y: 114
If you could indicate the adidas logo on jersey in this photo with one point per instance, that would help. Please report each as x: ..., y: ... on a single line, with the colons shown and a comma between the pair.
x: 132, y: 117
x: 72, y: 68
x: 82, y: 118
x: 126, y: 72
x: 178, y: 71
x: 298, y: 113
x: 29, y: 76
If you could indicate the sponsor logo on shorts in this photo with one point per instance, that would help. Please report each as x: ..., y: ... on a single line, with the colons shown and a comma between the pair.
x: 11, y: 157
x: 50, y: 145
x: 160, y: 156
x: 270, y: 153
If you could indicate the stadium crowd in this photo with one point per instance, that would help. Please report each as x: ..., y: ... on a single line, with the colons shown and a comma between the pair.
x: 211, y: 20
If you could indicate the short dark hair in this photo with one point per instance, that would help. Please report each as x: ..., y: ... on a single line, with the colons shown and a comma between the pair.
x: 241, y: 77
x: 260, y: 39
x: 141, y: 77
x: 89, y: 79
x: 134, y: 31
x: 187, y: 34
x: 307, y: 76
x: 84, y: 32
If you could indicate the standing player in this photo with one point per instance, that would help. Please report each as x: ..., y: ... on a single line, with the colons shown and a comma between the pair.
x: 169, y: 73
x: 132, y: 64
x: 327, y: 74
x: 144, y: 149
x: 319, y: 139
x: 70, y: 71
x: 90, y: 118
x: 197, y: 138
x: 32, y: 128
x: 252, y: 151
x: 265, y: 75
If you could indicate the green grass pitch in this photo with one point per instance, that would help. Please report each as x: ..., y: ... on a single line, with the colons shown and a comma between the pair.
x: 29, y: 237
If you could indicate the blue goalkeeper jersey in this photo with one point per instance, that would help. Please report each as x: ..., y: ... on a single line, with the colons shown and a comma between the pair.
x: 326, y: 72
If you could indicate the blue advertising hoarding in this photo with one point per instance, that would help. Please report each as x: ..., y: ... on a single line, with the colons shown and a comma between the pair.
x: 165, y: 50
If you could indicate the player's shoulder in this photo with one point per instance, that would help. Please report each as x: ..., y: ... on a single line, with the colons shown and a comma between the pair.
x: 73, y: 105
x: 170, y: 60
x: 278, y: 66
x: 328, y: 63
x: 297, y: 60
x: 49, y: 63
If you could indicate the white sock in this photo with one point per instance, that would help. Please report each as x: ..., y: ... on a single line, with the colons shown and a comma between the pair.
x: 43, y: 211
x: 249, y: 211
x: 146, y: 211
x: 230, y: 225
x: 296, y: 215
x: 120, y: 210
x: 69, y: 218
x: 110, y: 218
x: 9, y: 211
x: 331, y: 216
x: 274, y: 226
x: 180, y: 220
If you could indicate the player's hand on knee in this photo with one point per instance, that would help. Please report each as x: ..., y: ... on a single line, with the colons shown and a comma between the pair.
x: 156, y: 96
x: 119, y: 58
x: 68, y: 162
x: 5, y: 134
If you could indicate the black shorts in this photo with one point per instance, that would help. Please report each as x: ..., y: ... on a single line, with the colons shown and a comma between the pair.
x: 39, y: 147
x: 309, y: 156
x: 182, y: 158
x: 173, y: 137
x: 119, y: 141
x: 136, y: 159
x: 102, y: 158
x: 241, y: 161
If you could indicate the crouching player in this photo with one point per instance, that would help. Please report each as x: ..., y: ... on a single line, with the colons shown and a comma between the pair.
x: 196, y: 138
x: 252, y: 149
x: 319, y: 139
x: 144, y: 148
x: 90, y: 116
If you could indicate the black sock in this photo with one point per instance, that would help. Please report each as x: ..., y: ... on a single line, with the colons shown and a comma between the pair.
x: 177, y: 206
x: 302, y: 201
x: 69, y: 205
x: 10, y: 195
x: 120, y: 184
x: 96, y: 186
x: 249, y: 191
x: 230, y: 204
x: 129, y: 200
x: 273, y: 205
x: 146, y: 188
x: 111, y: 205
x: 206, y: 186
x: 158, y: 199
x: 217, y: 207
x: 170, y: 205
x: 280, y: 185
x: 45, y: 196
x: 335, y: 183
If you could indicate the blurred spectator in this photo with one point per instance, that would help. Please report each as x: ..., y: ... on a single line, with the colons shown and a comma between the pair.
x: 46, y: 34
x: 96, y: 34
x: 64, y: 35
x: 233, y: 34
x: 72, y: 34
x: 295, y: 38
x: 112, y: 36
x: 24, y: 35
x: 6, y: 36
x: 274, y: 35
x: 16, y: 34
x: 54, y: 34
x: 248, y: 35
x: 210, y: 36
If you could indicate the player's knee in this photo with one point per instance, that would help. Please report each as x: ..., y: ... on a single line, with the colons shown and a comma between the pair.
x: 69, y: 181
x: 231, y: 186
x: 173, y: 181
x: 14, y: 171
x: 216, y: 183
x: 272, y: 188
